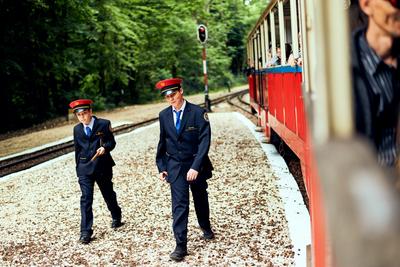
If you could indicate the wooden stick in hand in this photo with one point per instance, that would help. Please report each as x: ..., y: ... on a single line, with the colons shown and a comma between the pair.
x: 95, y: 156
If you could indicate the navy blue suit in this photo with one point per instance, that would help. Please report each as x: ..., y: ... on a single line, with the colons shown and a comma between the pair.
x: 99, y: 170
x: 179, y: 152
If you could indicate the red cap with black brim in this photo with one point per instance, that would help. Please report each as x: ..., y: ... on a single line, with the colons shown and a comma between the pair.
x: 81, y: 105
x: 168, y: 86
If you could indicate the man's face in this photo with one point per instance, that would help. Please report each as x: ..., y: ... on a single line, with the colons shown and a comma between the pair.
x: 384, y: 15
x: 175, y: 99
x: 84, y: 116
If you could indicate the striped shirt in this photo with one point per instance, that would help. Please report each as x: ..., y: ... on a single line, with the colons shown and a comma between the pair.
x: 385, y: 85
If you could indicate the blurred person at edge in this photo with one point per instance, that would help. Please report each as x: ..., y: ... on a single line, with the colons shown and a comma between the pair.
x: 93, y: 141
x: 376, y: 77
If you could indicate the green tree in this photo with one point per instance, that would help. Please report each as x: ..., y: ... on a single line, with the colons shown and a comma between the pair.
x: 112, y: 51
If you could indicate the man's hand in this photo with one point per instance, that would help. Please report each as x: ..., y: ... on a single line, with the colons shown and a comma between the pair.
x: 100, y: 151
x: 163, y: 176
x: 191, y: 175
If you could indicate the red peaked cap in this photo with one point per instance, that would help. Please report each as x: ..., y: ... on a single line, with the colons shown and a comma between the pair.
x: 81, y: 105
x: 168, y: 86
x: 395, y: 3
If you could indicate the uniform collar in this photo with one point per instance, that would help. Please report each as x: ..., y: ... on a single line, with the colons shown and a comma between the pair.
x: 374, y: 61
x: 182, y: 107
x: 90, y: 124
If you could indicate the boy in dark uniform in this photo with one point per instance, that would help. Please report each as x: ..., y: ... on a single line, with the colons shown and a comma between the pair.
x: 93, y: 140
x: 182, y: 161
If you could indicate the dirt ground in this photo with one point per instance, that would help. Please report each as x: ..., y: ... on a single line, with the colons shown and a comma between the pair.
x: 29, y: 138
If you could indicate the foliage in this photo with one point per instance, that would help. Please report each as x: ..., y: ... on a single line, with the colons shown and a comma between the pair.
x: 52, y: 52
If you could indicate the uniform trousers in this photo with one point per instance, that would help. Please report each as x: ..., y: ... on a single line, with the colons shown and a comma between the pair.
x: 180, y: 206
x: 106, y: 188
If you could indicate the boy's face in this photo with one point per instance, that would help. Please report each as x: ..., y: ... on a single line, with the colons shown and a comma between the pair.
x: 175, y: 99
x: 84, y: 116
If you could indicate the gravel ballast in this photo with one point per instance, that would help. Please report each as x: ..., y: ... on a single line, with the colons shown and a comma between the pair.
x: 40, y: 209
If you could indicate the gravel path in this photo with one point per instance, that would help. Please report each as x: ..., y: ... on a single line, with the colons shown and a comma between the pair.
x: 40, y: 209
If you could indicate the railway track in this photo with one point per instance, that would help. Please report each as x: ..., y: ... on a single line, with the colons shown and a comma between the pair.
x: 28, y: 160
x: 243, y: 106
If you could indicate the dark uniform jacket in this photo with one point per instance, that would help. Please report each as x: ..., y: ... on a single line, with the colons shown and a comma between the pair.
x: 86, y: 147
x: 188, y: 149
x: 365, y: 105
x: 367, y: 114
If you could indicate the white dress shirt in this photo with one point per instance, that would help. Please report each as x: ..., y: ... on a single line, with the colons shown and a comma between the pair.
x: 182, y: 108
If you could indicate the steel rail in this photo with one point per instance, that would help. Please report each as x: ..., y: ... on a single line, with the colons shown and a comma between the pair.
x: 239, y: 97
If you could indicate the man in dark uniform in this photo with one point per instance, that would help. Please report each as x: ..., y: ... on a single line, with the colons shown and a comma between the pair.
x: 93, y: 140
x: 182, y: 161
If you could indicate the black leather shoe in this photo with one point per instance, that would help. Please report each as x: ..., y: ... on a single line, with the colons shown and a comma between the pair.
x: 208, y: 234
x: 85, y: 239
x: 116, y: 223
x: 179, y: 253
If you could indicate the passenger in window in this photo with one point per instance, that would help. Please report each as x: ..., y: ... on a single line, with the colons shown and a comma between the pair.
x: 270, y: 59
x: 292, y: 61
x: 276, y: 60
x: 376, y: 77
x: 249, y: 69
x: 289, y: 51
x: 260, y: 65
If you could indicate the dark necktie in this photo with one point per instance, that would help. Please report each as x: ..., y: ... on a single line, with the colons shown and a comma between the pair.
x: 88, y: 131
x: 178, y: 120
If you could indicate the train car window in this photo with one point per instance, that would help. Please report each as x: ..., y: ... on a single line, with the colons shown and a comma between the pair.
x: 292, y: 33
x: 262, y: 46
x: 260, y: 60
x: 255, y: 51
x: 268, y: 41
x: 255, y: 41
x: 273, y: 29
x: 282, y: 35
x: 287, y: 21
x: 298, y: 17
x: 259, y: 52
x: 294, y: 29
x: 278, y: 44
x: 253, y: 62
x: 251, y: 53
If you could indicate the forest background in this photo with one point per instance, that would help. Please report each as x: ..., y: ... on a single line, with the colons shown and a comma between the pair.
x: 113, y: 51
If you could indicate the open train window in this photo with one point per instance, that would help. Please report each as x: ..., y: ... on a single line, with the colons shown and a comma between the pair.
x: 260, y: 46
x: 268, y: 41
x: 277, y: 48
